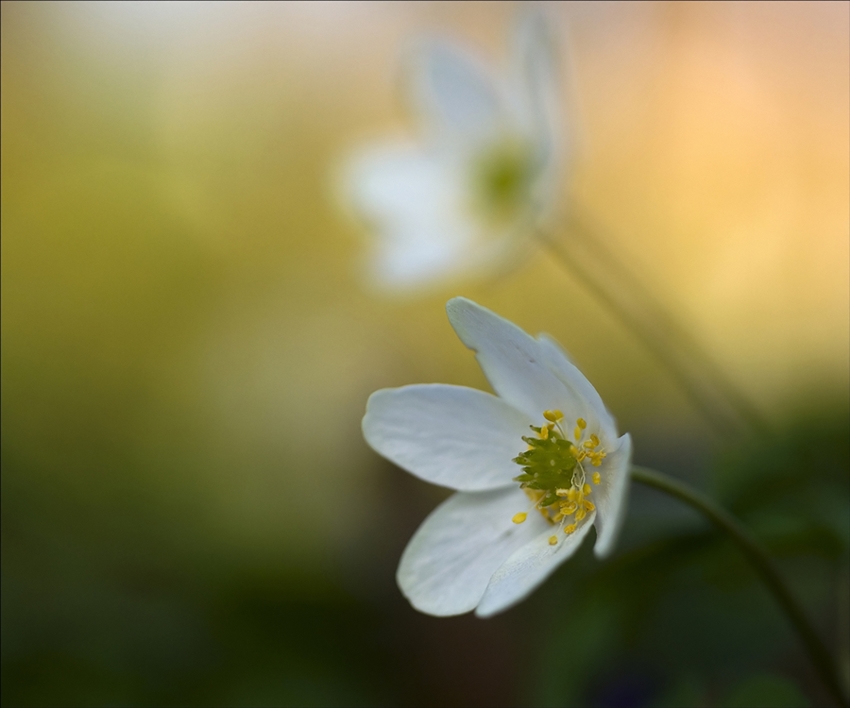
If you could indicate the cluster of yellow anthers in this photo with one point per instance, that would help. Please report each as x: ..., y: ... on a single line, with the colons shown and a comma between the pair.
x: 558, y: 502
x: 588, y: 449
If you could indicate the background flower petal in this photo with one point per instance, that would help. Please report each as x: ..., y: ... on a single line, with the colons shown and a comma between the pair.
x: 420, y: 211
x: 536, y: 79
x: 529, y: 566
x: 448, y: 563
x: 610, y: 496
x: 455, y: 95
x: 514, y: 363
x: 414, y: 204
x: 454, y: 436
x: 396, y: 182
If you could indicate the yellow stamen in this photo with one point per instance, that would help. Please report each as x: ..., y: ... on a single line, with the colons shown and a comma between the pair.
x: 553, y: 540
x: 581, y: 423
x: 589, y: 505
x: 586, y: 489
x: 569, y: 529
x: 562, y: 492
x: 544, y: 432
x: 580, y: 514
x: 597, y: 478
x: 553, y: 416
x: 572, y: 493
x: 594, y: 440
x: 569, y: 508
x: 520, y: 517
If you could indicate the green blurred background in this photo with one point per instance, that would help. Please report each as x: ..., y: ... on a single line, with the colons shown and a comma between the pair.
x: 189, y: 512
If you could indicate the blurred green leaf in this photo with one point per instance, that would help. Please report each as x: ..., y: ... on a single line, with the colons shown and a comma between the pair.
x: 766, y: 691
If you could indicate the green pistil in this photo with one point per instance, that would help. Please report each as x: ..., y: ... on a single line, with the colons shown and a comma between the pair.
x: 547, y: 466
x: 502, y: 177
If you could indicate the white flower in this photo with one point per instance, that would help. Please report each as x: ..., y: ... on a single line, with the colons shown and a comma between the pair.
x: 463, y: 198
x: 483, y: 548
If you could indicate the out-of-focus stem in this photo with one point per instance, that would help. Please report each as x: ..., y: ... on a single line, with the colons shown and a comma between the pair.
x: 615, y: 286
x: 764, y: 567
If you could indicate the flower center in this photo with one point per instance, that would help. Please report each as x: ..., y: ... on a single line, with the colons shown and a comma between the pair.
x: 501, y: 177
x: 553, y: 472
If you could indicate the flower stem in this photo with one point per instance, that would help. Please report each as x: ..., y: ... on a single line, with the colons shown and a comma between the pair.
x: 592, y: 262
x: 763, y: 566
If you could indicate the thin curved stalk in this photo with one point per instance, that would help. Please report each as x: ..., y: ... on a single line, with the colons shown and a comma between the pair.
x: 764, y: 567
x: 594, y: 264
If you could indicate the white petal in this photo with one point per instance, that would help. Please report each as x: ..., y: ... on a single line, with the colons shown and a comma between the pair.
x: 414, y: 203
x: 446, y: 566
x: 416, y: 259
x: 449, y: 435
x: 529, y: 566
x: 593, y: 408
x: 397, y: 184
x: 514, y: 363
x: 536, y: 76
x: 610, y: 496
x: 455, y: 95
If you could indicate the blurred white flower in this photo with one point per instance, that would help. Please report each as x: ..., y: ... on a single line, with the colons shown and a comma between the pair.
x: 525, y: 498
x: 462, y: 199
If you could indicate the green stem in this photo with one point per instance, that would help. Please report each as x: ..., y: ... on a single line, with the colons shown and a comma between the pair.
x: 596, y: 266
x: 763, y: 566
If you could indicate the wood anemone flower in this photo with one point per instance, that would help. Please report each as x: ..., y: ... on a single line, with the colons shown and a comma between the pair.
x: 534, y: 467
